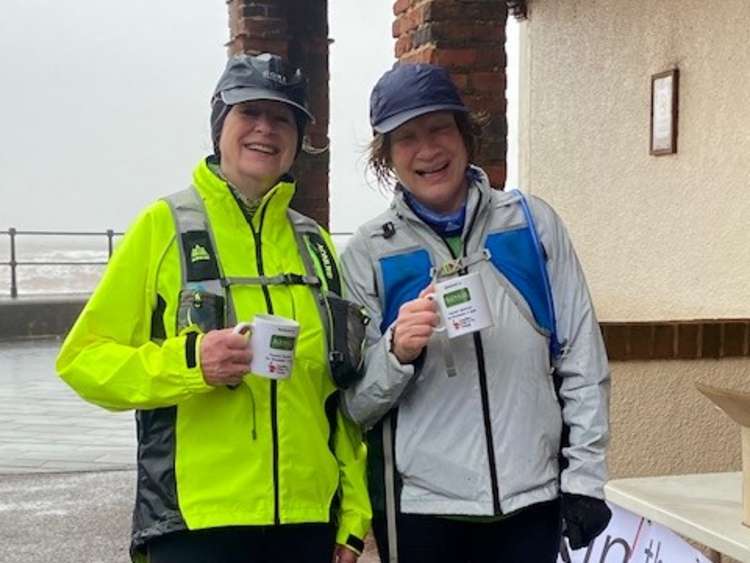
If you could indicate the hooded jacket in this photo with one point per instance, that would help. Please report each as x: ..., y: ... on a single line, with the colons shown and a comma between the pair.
x: 484, y: 442
x: 267, y: 453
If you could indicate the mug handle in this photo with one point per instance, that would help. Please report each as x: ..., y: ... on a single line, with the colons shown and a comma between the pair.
x: 244, y: 327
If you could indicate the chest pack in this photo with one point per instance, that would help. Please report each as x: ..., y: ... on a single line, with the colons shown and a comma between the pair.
x: 206, y: 292
x: 516, y: 253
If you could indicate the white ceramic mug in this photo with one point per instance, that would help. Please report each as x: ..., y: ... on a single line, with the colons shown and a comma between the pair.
x: 463, y: 305
x: 273, y: 340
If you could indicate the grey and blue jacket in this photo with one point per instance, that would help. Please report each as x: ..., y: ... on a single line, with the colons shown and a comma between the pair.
x: 483, y: 440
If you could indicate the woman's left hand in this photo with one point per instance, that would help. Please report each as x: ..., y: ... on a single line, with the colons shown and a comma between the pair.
x: 343, y: 554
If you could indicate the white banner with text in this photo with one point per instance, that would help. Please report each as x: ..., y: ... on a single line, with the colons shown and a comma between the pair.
x: 630, y: 538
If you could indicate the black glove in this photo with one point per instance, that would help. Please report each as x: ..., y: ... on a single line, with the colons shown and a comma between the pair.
x: 584, y: 518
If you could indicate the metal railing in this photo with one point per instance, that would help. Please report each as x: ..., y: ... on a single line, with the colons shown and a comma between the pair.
x: 12, y: 233
x: 14, y: 263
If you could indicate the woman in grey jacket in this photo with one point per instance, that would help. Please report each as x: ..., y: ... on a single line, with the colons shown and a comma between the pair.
x: 465, y: 434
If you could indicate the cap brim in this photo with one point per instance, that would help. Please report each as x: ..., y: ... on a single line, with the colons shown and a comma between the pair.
x: 239, y: 95
x: 388, y: 125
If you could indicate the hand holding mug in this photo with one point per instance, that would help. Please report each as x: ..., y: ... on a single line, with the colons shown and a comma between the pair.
x: 273, y: 340
x: 225, y: 357
x: 414, y: 326
x: 462, y: 305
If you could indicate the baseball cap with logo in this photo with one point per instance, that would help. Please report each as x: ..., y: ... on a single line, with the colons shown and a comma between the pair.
x: 259, y: 77
x: 263, y: 77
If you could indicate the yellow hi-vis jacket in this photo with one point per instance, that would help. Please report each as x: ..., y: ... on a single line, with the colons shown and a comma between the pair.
x: 267, y: 453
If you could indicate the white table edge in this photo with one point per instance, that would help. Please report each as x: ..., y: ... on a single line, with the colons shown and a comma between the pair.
x: 676, y: 523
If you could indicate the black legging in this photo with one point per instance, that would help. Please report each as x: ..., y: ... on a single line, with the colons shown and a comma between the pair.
x: 532, y: 535
x: 292, y: 543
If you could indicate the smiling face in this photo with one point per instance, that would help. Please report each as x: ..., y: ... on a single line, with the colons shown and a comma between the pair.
x: 430, y: 159
x: 258, y: 144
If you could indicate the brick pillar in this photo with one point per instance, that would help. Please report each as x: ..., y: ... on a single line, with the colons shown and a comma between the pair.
x: 467, y: 37
x: 297, y: 31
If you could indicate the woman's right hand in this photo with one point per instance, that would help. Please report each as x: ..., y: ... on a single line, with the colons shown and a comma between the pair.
x: 414, y: 326
x: 225, y: 357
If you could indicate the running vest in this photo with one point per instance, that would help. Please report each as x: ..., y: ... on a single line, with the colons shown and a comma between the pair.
x: 205, y: 296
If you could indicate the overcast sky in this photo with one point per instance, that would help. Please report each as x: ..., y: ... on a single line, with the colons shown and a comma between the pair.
x: 104, y: 105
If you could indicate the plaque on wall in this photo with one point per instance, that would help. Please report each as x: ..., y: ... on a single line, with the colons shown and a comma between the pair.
x: 663, y: 139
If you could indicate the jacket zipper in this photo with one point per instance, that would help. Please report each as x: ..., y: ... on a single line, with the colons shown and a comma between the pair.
x: 479, y: 349
x: 274, y: 417
x: 487, y: 422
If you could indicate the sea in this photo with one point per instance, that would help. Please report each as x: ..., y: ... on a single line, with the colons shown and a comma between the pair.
x: 73, y: 271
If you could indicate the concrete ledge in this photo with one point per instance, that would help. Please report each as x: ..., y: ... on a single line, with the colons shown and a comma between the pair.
x: 25, y: 317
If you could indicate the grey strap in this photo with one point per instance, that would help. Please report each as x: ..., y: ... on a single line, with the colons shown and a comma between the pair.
x: 189, y: 214
x: 299, y: 223
x: 390, y: 490
x: 450, y: 360
x: 281, y: 279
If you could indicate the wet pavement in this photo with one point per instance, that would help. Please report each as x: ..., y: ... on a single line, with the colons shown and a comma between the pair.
x: 67, y: 476
x: 46, y: 427
x: 76, y: 517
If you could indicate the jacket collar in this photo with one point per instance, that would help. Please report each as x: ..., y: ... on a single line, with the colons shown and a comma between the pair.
x: 478, y: 194
x: 273, y: 205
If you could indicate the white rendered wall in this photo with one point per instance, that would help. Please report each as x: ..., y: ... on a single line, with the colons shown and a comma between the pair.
x: 660, y: 238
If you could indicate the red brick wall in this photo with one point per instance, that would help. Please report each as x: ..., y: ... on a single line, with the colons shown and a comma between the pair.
x: 298, y: 31
x: 467, y: 37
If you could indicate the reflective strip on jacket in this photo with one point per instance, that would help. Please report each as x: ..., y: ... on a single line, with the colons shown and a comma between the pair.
x: 198, y: 464
x: 445, y: 428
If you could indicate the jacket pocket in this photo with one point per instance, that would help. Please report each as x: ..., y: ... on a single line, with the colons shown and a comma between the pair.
x: 200, y: 308
x: 349, y: 323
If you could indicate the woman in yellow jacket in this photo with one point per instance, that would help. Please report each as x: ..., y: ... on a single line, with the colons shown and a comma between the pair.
x: 232, y: 467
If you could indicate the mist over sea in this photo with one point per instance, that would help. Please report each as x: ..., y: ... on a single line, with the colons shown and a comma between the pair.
x: 41, y: 279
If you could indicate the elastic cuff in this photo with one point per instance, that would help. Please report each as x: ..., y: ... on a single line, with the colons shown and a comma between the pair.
x: 193, y: 376
x: 191, y: 353
x: 355, y: 544
x: 394, y: 359
x: 346, y: 538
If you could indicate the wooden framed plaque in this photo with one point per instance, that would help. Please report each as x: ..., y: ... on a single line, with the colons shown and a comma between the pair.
x: 663, y: 138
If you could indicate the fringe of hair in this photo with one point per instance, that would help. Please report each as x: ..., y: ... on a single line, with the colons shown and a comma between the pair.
x: 470, y: 126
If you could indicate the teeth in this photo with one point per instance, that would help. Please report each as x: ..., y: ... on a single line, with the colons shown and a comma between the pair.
x: 261, y: 148
x: 433, y: 171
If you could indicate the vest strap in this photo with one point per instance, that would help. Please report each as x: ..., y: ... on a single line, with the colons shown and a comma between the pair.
x: 191, y: 222
x: 281, y: 279
x: 299, y: 222
x: 452, y: 267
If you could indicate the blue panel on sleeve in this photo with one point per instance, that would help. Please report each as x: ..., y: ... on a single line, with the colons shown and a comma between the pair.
x: 404, y: 276
x: 514, y: 256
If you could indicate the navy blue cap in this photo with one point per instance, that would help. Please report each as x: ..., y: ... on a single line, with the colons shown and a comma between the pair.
x: 410, y: 90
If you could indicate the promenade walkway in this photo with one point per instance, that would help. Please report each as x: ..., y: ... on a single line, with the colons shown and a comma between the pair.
x: 67, y: 478
x: 46, y: 427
